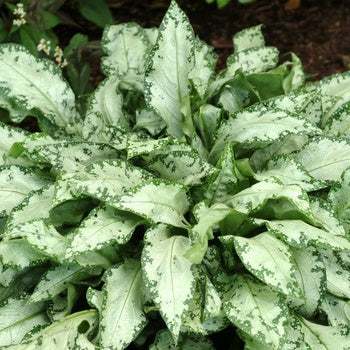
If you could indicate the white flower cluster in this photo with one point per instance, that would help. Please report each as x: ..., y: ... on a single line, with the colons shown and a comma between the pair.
x: 58, y: 57
x: 44, y: 46
x: 21, y: 14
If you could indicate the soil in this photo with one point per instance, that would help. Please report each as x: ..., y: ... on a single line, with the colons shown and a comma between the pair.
x: 317, y: 31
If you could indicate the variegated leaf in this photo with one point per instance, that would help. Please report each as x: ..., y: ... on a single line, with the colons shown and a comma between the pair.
x: 55, y: 280
x: 15, y: 184
x: 36, y: 205
x: 270, y: 260
x: 158, y: 201
x: 299, y: 234
x: 19, y: 254
x: 103, y: 226
x: 164, y: 270
x: 339, y: 197
x: 249, y: 38
x: 258, y: 311
x: 126, y: 46
x: 252, y: 60
x: 71, y: 332
x: 321, y: 337
x: 325, y: 217
x: 168, y: 90
x: 338, y: 125
x: 255, y: 197
x: 311, y: 277
x: 30, y: 85
x: 17, y: 318
x: 104, y: 180
x: 122, y: 316
x: 338, y: 274
x: 325, y: 158
x: 289, y: 172
x: 337, y: 310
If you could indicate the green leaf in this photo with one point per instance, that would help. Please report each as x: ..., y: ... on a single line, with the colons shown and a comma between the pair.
x: 338, y: 124
x: 258, y: 311
x: 103, y: 226
x: 311, y: 277
x: 167, y: 90
x: 289, y: 172
x: 126, y: 46
x: 96, y: 11
x: 299, y: 234
x: 157, y: 201
x: 122, y: 316
x: 71, y: 332
x: 15, y: 184
x: 164, y: 270
x: 17, y: 318
x: 325, y: 158
x: 56, y: 279
x: 270, y: 260
x: 26, y: 94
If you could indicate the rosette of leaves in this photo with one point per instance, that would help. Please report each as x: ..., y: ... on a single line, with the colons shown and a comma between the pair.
x: 184, y: 203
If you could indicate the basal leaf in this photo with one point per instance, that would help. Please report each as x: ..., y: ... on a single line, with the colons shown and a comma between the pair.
x: 158, y: 201
x: 104, y: 180
x: 18, y: 254
x: 325, y: 158
x: 126, y: 46
x: 15, y: 184
x: 299, y: 234
x: 311, y: 277
x: 252, y: 60
x: 255, y: 197
x: 17, y: 318
x: 289, y: 172
x: 43, y: 236
x: 36, y: 205
x: 69, y: 333
x: 165, y: 269
x: 56, y: 279
x: 270, y: 260
x: 322, y: 337
x: 340, y: 199
x: 168, y: 90
x: 103, y: 226
x: 258, y: 311
x: 337, y: 310
x: 249, y: 38
x: 325, y: 216
x: 26, y: 94
x: 338, y: 275
x: 122, y: 316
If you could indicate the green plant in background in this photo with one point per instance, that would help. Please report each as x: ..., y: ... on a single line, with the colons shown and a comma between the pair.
x: 32, y: 24
x: 222, y: 3
x: 182, y: 202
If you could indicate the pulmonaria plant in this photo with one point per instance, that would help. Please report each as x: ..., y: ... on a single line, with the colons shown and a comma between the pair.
x: 183, y: 203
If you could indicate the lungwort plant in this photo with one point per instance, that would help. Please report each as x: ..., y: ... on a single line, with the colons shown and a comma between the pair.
x: 183, y: 203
